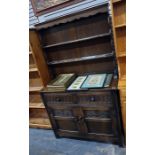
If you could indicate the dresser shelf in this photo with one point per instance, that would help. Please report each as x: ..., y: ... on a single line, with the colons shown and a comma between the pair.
x: 121, y: 55
x: 90, y: 114
x: 79, y: 40
x: 33, y: 69
x: 35, y: 89
x: 41, y: 126
x: 88, y: 58
x: 120, y: 26
x: 37, y: 105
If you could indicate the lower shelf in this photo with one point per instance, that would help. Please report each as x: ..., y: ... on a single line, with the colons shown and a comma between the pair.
x: 34, y: 89
x: 40, y: 121
x: 41, y: 126
x: 36, y: 105
x: 38, y: 118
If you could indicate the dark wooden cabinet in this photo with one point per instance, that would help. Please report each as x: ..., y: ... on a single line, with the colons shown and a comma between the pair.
x: 82, y: 43
x: 88, y: 115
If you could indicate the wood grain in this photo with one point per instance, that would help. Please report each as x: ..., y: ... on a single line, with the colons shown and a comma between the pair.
x: 38, y: 56
x: 37, y: 80
x: 119, y: 30
x: 92, y: 114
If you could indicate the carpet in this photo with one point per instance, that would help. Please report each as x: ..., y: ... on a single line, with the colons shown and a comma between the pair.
x: 43, y: 142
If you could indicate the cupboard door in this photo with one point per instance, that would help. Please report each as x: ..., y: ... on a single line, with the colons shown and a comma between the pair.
x: 100, y: 120
x: 62, y: 118
x: 80, y: 120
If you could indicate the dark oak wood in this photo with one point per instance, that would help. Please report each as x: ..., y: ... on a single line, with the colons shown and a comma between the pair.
x: 79, y: 40
x: 85, y: 115
x: 82, y: 44
x: 88, y: 58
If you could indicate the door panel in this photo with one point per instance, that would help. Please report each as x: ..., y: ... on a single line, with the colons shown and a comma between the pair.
x: 79, y: 117
x: 66, y: 124
x: 99, y: 126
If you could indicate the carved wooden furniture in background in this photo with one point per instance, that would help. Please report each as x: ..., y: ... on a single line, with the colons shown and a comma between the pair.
x: 38, y: 78
x: 119, y: 25
x: 82, y: 43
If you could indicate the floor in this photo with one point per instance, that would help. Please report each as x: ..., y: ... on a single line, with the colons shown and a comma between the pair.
x: 43, y: 142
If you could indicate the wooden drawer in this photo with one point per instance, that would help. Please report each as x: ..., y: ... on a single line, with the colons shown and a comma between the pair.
x: 97, y: 98
x: 61, y: 98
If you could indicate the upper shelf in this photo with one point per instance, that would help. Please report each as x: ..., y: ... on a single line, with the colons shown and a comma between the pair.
x: 101, y: 56
x: 79, y: 40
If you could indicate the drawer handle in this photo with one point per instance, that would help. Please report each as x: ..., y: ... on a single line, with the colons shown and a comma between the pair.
x: 79, y: 119
x: 92, y: 99
x: 58, y: 99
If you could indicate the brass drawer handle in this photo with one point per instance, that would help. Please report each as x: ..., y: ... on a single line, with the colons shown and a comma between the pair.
x: 79, y: 119
x: 92, y: 99
x: 58, y: 99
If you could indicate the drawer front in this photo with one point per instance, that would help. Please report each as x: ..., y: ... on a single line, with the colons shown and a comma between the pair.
x: 99, y: 98
x: 62, y: 98
x: 98, y: 112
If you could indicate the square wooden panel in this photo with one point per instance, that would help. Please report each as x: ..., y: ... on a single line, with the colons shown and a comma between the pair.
x: 99, y: 127
x: 122, y: 67
x: 34, y: 74
x: 38, y: 116
x: 35, y: 100
x: 31, y: 61
x: 121, y: 40
x: 119, y: 10
x: 35, y: 82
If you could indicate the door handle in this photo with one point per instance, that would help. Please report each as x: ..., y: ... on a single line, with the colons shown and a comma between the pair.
x: 79, y: 119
